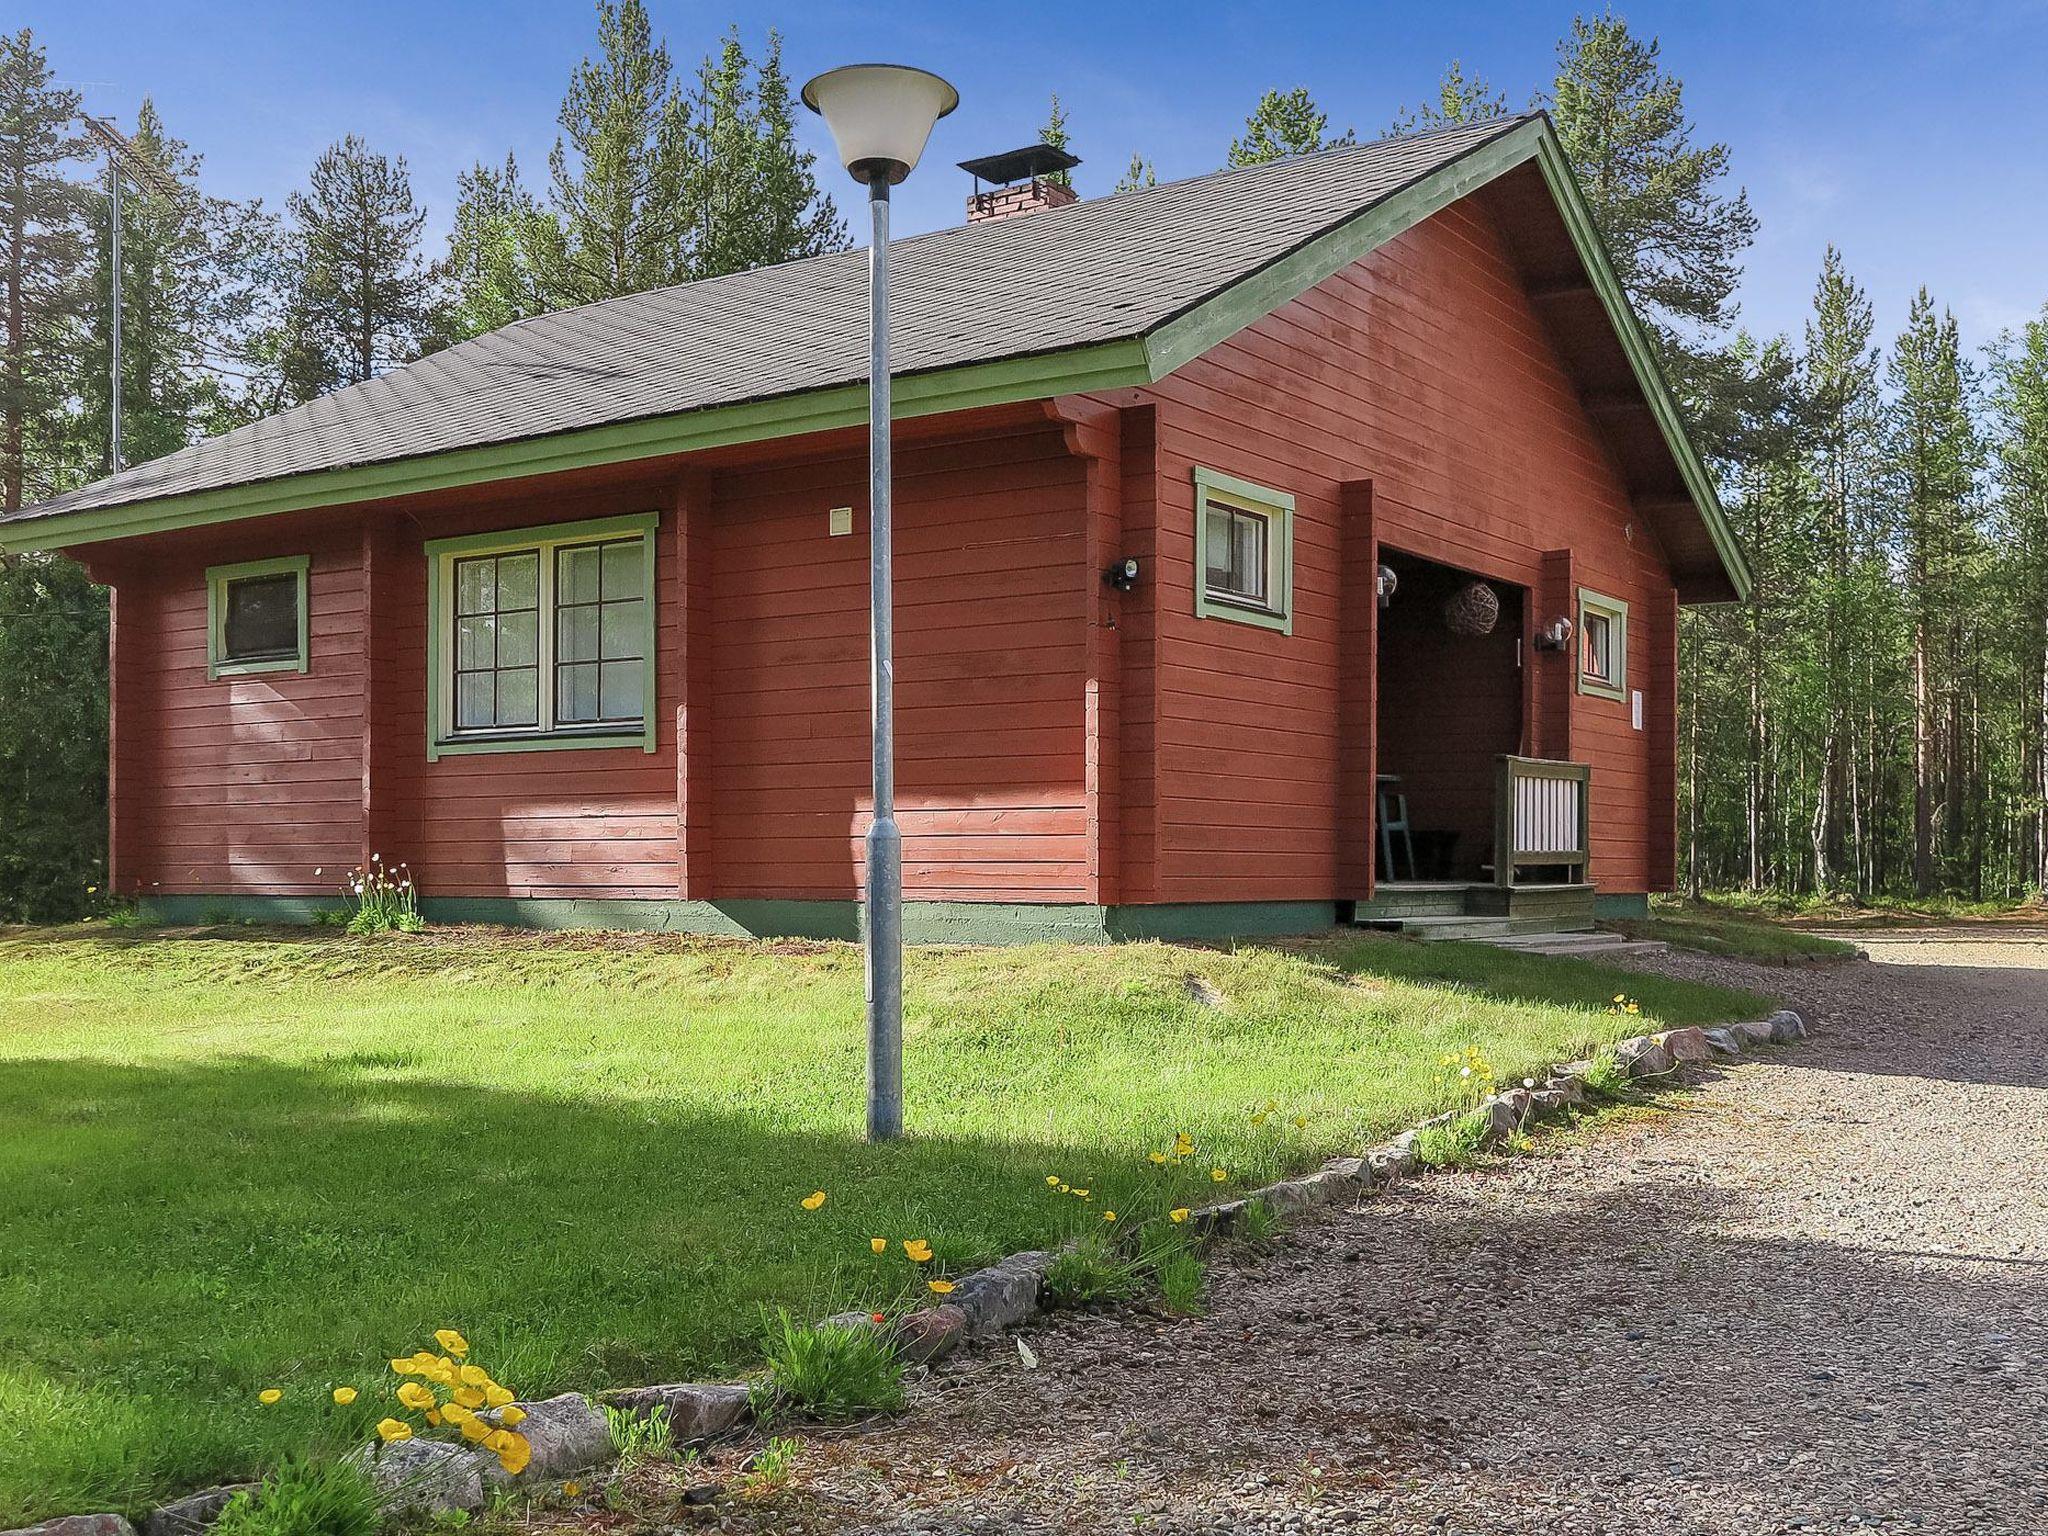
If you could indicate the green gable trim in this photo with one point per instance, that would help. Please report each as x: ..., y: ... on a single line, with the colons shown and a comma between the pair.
x: 1105, y: 366
x: 217, y: 579
x: 924, y: 922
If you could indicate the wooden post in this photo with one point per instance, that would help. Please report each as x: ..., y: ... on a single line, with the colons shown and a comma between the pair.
x: 689, y: 683
x: 377, y: 559
x: 1137, y: 615
x: 1357, y: 806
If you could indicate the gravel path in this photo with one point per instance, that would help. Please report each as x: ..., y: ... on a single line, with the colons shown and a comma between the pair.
x: 1811, y: 1296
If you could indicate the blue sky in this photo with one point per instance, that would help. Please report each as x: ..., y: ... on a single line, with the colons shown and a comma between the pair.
x: 1912, y: 133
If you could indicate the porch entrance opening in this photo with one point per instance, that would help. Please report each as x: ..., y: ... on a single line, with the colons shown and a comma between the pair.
x: 1450, y: 707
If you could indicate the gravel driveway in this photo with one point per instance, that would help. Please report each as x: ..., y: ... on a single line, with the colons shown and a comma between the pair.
x: 1811, y: 1296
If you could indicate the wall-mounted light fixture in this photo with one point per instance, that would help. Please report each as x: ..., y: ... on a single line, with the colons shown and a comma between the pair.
x: 1388, y: 584
x: 1124, y: 574
x: 1556, y: 636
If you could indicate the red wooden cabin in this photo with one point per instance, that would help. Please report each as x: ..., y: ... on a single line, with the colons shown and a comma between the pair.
x: 571, y: 618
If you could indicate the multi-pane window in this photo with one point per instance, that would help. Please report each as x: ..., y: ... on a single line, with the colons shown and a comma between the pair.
x: 1243, y: 552
x: 256, y: 617
x: 544, y: 638
x: 497, y: 642
x: 1603, y: 645
x: 599, y: 632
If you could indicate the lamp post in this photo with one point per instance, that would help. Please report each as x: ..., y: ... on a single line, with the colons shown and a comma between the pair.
x: 880, y: 116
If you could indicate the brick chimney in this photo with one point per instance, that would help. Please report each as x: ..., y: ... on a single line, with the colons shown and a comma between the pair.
x: 1024, y: 180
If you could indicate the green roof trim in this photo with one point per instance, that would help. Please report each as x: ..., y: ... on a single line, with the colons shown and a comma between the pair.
x: 1133, y: 361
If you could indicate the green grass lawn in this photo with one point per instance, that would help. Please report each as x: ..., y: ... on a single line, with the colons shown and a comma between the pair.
x: 1743, y: 933
x: 246, y: 1159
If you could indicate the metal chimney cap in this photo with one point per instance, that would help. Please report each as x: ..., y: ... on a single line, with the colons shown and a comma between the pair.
x: 1016, y: 164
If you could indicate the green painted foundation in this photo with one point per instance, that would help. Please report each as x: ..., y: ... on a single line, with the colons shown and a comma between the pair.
x: 924, y: 922
x: 1622, y: 904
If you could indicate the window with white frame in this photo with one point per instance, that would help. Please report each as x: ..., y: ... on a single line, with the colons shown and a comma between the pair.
x: 1244, y: 557
x: 543, y: 637
x: 1603, y: 645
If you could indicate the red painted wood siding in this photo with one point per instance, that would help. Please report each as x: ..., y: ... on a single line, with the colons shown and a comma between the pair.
x: 1424, y: 370
x: 990, y: 593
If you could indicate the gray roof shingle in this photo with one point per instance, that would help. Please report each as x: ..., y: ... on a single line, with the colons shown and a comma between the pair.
x: 1097, y: 271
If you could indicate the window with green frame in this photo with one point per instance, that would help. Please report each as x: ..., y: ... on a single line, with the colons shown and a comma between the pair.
x: 256, y: 617
x: 542, y: 637
x: 1603, y: 645
x: 1244, y: 552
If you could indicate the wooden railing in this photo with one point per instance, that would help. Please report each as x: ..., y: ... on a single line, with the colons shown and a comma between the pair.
x: 1542, y: 817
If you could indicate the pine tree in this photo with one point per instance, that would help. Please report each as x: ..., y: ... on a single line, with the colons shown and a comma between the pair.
x: 1055, y: 133
x: 1675, y: 239
x: 42, y: 269
x: 1934, y: 459
x: 1284, y: 123
x: 618, y: 174
x: 502, y: 244
x: 362, y: 297
x: 1138, y: 176
x: 1458, y: 100
x: 2019, y: 400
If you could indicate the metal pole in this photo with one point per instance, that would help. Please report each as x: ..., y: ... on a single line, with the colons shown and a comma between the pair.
x: 884, y: 841
x: 114, y: 347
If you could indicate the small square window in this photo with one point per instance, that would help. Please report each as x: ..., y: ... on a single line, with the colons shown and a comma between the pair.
x: 256, y: 617
x: 1244, y: 539
x: 1603, y: 645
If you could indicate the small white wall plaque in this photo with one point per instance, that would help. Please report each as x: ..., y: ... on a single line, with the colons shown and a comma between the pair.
x: 839, y: 520
x: 1635, y: 708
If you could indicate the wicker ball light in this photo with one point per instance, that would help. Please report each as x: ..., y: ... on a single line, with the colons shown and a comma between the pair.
x: 1472, y: 610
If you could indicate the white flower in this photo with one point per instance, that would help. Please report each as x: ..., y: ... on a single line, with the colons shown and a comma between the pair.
x: 1528, y: 1082
x: 1464, y: 1071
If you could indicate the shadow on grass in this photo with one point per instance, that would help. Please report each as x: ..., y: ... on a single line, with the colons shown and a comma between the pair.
x: 181, y: 1237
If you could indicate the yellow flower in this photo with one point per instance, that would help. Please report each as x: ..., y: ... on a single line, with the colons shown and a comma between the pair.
x: 514, y: 1452
x: 269, y: 1396
x: 1080, y: 1194
x: 433, y: 1416
x: 1259, y: 1118
x: 1064, y: 1190
x: 455, y: 1413
x: 813, y: 1200
x: 1217, y: 1175
x: 468, y: 1397
x: 571, y: 1489
x: 414, y: 1395
x: 512, y: 1418
x: 919, y: 1250
x: 1301, y: 1122
x: 1157, y: 1157
x: 391, y: 1431
x: 496, y: 1396
x: 879, y: 1244
x: 1271, y: 1105
x: 939, y: 1287
x: 344, y: 1395
x: 451, y: 1341
x: 439, y: 1368
x: 1053, y: 1180
x: 475, y: 1376
x: 1621, y: 997
x: 475, y: 1430
x: 1179, y: 1214
x: 406, y: 1367
x: 1109, y: 1215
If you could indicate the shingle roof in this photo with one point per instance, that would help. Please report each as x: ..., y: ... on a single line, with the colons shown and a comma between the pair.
x: 1098, y: 271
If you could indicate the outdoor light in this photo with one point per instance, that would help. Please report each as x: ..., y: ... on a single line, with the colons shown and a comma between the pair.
x: 880, y: 116
x: 1124, y: 574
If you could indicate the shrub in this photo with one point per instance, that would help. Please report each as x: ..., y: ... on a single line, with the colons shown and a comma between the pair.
x: 834, y: 1370
x: 386, y: 899
x: 305, y: 1498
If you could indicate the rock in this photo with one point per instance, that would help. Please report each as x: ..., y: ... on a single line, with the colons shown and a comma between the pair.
x: 1396, y: 1160
x: 696, y: 1410
x: 1403, y: 1144
x: 1349, y: 1170
x: 1551, y: 1102
x: 1208, y: 1219
x: 1644, y: 1056
x: 1748, y: 1033
x: 703, y: 1493
x: 1722, y: 1040
x: 78, y: 1525
x: 1688, y: 1044
x: 1502, y: 1120
x: 930, y: 1332
x: 1004, y: 1294
x: 568, y: 1434
x: 426, y: 1477
x: 1572, y: 1069
x: 1786, y: 1026
x: 191, y: 1514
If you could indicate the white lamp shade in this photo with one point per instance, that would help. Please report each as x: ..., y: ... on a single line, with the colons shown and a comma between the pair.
x: 880, y: 115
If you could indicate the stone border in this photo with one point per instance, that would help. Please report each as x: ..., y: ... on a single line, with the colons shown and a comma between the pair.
x: 571, y: 1434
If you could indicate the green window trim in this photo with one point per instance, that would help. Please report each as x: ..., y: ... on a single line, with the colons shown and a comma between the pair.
x: 1615, y: 611
x: 218, y: 663
x: 1277, y: 507
x: 442, y: 738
